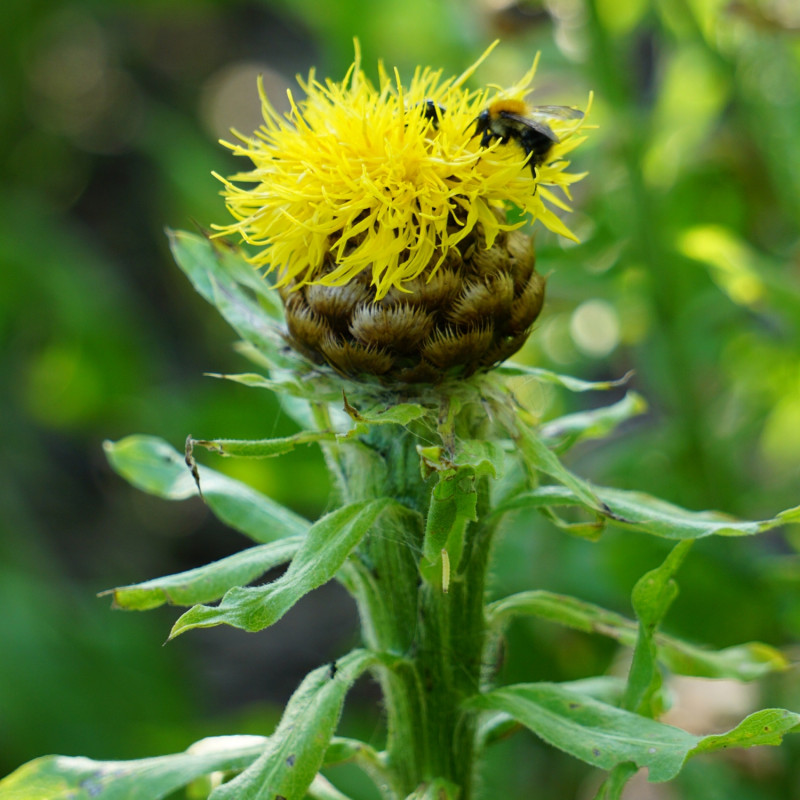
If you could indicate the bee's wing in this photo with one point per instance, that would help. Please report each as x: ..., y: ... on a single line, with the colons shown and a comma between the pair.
x: 556, y: 112
x: 531, y: 123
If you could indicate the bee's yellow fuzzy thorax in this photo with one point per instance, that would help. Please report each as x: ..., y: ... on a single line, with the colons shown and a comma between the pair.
x: 510, y: 105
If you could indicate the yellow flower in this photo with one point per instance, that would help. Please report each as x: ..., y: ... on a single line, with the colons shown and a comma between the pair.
x: 386, y: 179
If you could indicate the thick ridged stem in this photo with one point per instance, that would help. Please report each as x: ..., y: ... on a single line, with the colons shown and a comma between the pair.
x: 439, y: 638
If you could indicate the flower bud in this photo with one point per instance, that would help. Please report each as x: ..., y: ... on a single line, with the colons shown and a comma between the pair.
x: 476, y: 310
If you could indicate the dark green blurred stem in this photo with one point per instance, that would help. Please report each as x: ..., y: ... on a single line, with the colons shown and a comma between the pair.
x: 667, y: 293
x: 438, y: 638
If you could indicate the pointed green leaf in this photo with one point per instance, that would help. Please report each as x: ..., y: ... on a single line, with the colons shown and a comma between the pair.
x: 594, y: 732
x: 261, y: 448
x: 563, y: 432
x: 606, y: 688
x: 567, y: 381
x: 607, y: 737
x: 564, y: 610
x: 437, y: 789
x: 295, y: 751
x: 539, y: 456
x: 452, y: 507
x: 284, y: 383
x: 652, y: 596
x: 743, y: 662
x: 656, y: 590
x: 381, y: 414
x: 251, y: 379
x: 591, y: 530
x: 198, y: 254
x: 207, y: 583
x: 398, y: 414
x: 485, y: 457
x: 67, y: 778
x: 152, y: 465
x: 228, y: 282
x: 361, y: 754
x: 322, y: 789
x: 642, y: 512
x: 765, y: 727
x: 324, y: 550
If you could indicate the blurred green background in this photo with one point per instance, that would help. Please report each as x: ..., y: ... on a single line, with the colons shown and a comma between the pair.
x: 688, y: 271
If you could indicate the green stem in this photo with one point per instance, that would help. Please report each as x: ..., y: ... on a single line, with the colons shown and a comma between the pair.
x: 438, y: 637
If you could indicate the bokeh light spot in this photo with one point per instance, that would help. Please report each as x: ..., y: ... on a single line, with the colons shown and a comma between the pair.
x: 229, y: 99
x: 594, y: 327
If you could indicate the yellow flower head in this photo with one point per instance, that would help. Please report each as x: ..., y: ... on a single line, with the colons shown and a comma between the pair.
x: 387, y: 178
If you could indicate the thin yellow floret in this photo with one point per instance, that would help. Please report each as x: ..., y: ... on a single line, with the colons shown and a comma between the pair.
x: 357, y: 177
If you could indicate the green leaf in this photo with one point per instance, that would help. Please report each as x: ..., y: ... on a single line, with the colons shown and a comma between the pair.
x: 220, y: 275
x: 452, y: 507
x: 437, y: 789
x: 380, y: 414
x: 261, y: 448
x: 294, y: 753
x: 563, y: 432
x: 322, y: 789
x: 284, y: 383
x: 361, y: 754
x: 594, y: 732
x: 67, y: 778
x: 207, y: 583
x: 607, y: 737
x: 250, y: 379
x: 656, y: 590
x: 652, y: 596
x: 152, y: 465
x: 484, y: 457
x: 567, y: 381
x: 765, y: 727
x: 642, y: 512
x: 540, y: 457
x: 606, y: 688
x: 614, y: 784
x: 744, y: 662
x: 325, y: 548
x: 591, y: 530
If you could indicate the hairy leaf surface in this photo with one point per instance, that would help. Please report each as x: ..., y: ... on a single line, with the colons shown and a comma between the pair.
x: 325, y: 548
x: 68, y: 778
x: 207, y: 583
x: 294, y: 753
x: 606, y: 737
x: 643, y: 512
x: 154, y: 466
x: 743, y: 662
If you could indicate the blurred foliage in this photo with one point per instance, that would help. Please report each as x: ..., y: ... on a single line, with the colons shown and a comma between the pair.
x: 688, y: 272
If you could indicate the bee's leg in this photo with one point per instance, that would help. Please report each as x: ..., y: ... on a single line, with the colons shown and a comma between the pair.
x: 531, y: 156
x: 487, y: 137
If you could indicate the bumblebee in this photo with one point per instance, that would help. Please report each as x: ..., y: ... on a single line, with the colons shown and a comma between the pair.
x: 432, y: 111
x: 513, y: 119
